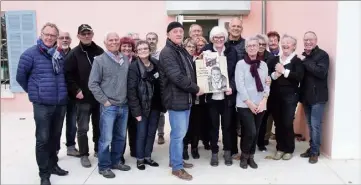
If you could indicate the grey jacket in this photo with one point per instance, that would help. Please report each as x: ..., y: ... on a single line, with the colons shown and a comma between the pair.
x: 108, y: 79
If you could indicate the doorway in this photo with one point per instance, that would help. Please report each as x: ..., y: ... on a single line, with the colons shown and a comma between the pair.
x: 206, y: 25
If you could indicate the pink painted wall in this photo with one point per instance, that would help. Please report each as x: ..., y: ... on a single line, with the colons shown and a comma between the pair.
x: 295, y: 18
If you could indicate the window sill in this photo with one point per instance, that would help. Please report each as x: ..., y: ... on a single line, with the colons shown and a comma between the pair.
x: 6, y: 92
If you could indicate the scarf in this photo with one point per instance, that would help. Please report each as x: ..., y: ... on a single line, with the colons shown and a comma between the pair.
x: 254, y: 72
x: 53, y: 53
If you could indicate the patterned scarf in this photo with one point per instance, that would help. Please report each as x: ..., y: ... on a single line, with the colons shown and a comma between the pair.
x: 53, y: 53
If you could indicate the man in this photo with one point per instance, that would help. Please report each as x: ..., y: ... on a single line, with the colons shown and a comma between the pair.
x: 134, y: 36
x: 274, y: 43
x: 40, y: 74
x: 314, y: 92
x: 108, y: 83
x: 195, y: 31
x: 78, y: 64
x: 178, y: 88
x: 64, y: 41
x: 152, y: 39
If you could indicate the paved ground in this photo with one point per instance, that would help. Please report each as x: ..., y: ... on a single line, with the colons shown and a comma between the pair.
x: 18, y: 165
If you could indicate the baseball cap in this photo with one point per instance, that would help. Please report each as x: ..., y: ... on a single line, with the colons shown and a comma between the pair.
x: 84, y: 27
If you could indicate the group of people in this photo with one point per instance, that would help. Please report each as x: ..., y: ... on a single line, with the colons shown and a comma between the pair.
x: 130, y: 85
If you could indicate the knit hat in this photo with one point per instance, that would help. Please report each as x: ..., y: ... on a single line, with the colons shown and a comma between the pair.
x: 173, y: 25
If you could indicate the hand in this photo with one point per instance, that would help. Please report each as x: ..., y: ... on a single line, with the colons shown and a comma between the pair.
x: 229, y: 91
x: 107, y: 104
x: 268, y: 80
x: 262, y: 106
x: 139, y: 118
x: 200, y: 92
x: 279, y: 68
x: 252, y: 106
x: 200, y: 56
x: 80, y: 95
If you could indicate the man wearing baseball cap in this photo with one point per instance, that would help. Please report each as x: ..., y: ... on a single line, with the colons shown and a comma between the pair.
x: 78, y: 64
x: 179, y: 89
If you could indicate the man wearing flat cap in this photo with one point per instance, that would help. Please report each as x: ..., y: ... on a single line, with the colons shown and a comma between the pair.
x: 78, y: 64
x: 179, y: 88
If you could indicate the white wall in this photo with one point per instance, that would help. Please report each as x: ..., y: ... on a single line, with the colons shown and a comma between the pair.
x: 347, y: 112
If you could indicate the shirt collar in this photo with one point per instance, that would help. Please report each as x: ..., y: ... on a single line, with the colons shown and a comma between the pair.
x: 222, y: 52
x: 117, y: 58
x: 288, y: 59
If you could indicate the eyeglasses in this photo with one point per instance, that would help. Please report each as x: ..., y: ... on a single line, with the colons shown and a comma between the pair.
x: 253, y: 46
x: 262, y: 44
x: 49, y: 35
x: 191, y: 47
x: 219, y: 38
x: 64, y: 38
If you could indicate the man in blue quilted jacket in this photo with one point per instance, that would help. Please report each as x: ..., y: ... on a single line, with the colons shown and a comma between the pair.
x: 40, y: 73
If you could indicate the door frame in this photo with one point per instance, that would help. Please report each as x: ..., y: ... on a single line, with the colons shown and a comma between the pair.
x: 222, y: 19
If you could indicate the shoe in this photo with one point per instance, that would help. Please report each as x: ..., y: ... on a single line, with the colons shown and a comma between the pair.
x: 207, y: 146
x: 121, y: 167
x: 262, y: 149
x: 244, y: 161
x: 58, y: 171
x: 182, y: 174
x: 161, y: 140
x: 287, y: 156
x: 306, y: 154
x: 195, y: 153
x: 266, y: 142
x: 278, y: 155
x: 85, y: 162
x: 45, y: 181
x: 96, y: 154
x: 236, y: 157
x: 313, y: 159
x: 185, y: 154
x: 150, y: 162
x: 251, y: 162
x: 107, y: 173
x: 227, y: 158
x: 185, y: 165
x: 214, y: 160
x: 72, y: 151
x: 140, y: 165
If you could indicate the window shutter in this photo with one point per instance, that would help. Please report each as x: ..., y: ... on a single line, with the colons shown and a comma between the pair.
x: 21, y: 35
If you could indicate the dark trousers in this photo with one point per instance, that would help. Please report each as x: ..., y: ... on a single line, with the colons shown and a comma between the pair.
x: 234, y: 136
x: 196, y: 121
x: 84, y: 112
x: 49, y: 122
x: 132, y: 135
x: 283, y: 111
x: 250, y: 129
x: 70, y: 124
x: 263, y: 129
x: 206, y: 126
x: 146, y: 131
x: 220, y: 108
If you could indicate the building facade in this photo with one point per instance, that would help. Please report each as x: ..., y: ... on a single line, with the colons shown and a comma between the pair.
x: 338, y: 26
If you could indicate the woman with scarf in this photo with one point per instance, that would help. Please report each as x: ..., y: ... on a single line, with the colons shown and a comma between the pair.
x: 144, y: 101
x: 252, y: 94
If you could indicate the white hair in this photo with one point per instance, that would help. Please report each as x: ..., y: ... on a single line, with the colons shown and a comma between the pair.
x: 290, y: 37
x: 109, y: 33
x: 216, y: 31
x: 262, y: 37
x: 249, y: 39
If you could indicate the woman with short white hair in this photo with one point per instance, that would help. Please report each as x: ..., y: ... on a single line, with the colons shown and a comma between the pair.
x: 222, y: 103
x: 286, y: 73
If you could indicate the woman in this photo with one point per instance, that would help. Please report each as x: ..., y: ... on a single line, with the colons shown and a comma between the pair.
x: 201, y: 42
x: 198, y: 112
x: 222, y: 103
x: 127, y: 47
x: 144, y: 102
x: 252, y: 94
x: 287, y: 72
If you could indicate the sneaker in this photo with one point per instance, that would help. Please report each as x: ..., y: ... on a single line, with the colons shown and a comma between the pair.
x: 182, y: 174
x: 150, y: 162
x: 85, y: 162
x: 107, y: 173
x: 161, y: 140
x: 287, y: 156
x: 278, y: 155
x: 121, y: 167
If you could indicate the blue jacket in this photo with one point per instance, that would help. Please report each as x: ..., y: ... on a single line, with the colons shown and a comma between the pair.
x: 36, y: 76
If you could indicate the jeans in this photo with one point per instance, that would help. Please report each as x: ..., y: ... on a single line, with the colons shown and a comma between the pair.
x: 113, y: 130
x: 146, y: 131
x: 70, y: 124
x: 161, y: 124
x: 48, y: 122
x: 179, y: 121
x: 84, y: 111
x: 220, y: 108
x: 250, y: 128
x: 314, y: 115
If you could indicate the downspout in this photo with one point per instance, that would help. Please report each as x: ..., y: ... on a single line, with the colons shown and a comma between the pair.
x: 264, y: 16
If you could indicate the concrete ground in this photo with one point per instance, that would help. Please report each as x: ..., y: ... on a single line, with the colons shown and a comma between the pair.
x: 18, y: 164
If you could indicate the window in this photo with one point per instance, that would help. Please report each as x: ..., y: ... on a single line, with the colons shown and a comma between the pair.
x: 18, y: 30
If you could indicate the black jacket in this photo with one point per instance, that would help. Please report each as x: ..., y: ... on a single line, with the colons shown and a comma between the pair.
x: 282, y: 86
x: 176, y: 85
x: 314, y: 85
x: 141, y: 99
x: 232, y: 59
x: 239, y: 46
x: 78, y: 64
x: 267, y: 56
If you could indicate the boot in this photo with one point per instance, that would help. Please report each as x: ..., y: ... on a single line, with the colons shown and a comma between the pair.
x: 227, y: 158
x: 195, y: 153
x: 243, y: 161
x: 185, y: 153
x: 251, y: 162
x: 214, y: 159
